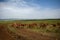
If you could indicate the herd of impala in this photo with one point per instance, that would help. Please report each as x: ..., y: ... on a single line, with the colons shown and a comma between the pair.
x: 33, y: 25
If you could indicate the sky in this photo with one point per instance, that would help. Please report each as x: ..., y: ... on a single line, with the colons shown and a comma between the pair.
x: 30, y: 9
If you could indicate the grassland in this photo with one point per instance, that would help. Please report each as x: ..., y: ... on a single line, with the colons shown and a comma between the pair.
x: 30, y: 29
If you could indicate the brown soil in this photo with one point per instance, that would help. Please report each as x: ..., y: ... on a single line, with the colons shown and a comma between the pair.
x: 4, y: 35
x: 24, y: 34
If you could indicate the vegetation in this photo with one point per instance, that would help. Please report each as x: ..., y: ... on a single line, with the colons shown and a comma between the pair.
x: 37, y: 26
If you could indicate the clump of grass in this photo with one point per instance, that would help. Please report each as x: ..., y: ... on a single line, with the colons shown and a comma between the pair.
x: 47, y: 29
x: 53, y: 29
x: 12, y: 29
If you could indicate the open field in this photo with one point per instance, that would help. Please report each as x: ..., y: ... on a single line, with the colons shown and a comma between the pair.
x: 30, y: 29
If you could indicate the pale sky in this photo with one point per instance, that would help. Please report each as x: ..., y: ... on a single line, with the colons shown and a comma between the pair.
x: 29, y: 9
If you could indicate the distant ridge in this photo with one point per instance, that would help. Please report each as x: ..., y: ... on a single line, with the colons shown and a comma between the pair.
x: 30, y: 19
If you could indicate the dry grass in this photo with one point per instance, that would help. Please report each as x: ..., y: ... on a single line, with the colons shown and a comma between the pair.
x: 8, y: 32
